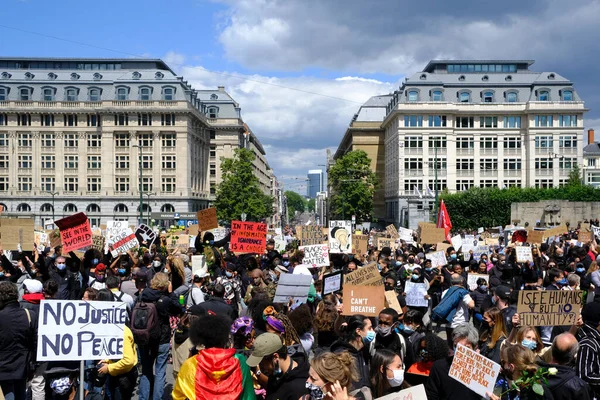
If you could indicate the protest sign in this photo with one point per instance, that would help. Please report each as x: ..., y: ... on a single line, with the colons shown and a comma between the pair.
x: 480, y: 250
x: 584, y: 227
x: 432, y: 235
x: 584, y: 237
x: 442, y: 246
x: 75, y: 232
x: 391, y: 301
x: 470, y: 239
x: 219, y: 233
x: 559, y: 230
x: 535, y: 237
x: 472, y: 280
x: 316, y: 255
x: 386, y: 242
x: 198, y: 264
x: 415, y: 294
x: 98, y: 243
x: 248, y: 237
x: 80, y: 330
x: 549, y: 307
x: 15, y: 231
x: 491, y: 242
x: 596, y: 231
x: 126, y: 241
x: 423, y: 225
x: 340, y: 237
x: 480, y: 230
x: 392, y: 231
x: 365, y: 300
x: 145, y: 235
x: 457, y: 242
x: 207, y: 219
x: 438, y: 259
x: 406, y: 235
x: 360, y: 244
x: 193, y: 230
x: 311, y: 234
x: 412, y: 393
x: 292, y: 286
x: 280, y: 245
x: 474, y: 370
x: 115, y: 230
x: 332, y: 282
x: 367, y: 275
x: 524, y: 254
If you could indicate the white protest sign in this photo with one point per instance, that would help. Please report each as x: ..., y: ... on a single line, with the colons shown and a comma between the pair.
x: 469, y: 238
x: 406, y: 234
x: 198, y: 264
x: 280, y: 245
x: 479, y: 251
x: 316, y: 255
x: 596, y: 230
x: 74, y: 330
x: 126, y: 240
x: 438, y: 259
x: 219, y: 233
x: 332, y: 283
x: 412, y: 393
x: 457, y: 242
x: 480, y: 230
x: 524, y: 254
x: 472, y: 280
x: 415, y: 294
x: 340, y: 237
x: 473, y: 370
x: 115, y: 230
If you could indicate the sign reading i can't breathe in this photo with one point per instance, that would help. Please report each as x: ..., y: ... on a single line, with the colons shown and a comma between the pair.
x: 81, y: 330
x: 365, y: 300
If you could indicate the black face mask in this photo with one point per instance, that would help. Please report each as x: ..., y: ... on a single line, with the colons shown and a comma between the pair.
x: 388, y: 287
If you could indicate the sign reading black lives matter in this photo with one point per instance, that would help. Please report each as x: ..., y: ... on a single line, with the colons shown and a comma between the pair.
x: 80, y: 330
x: 549, y: 307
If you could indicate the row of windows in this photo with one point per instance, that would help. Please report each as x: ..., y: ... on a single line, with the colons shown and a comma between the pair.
x: 71, y: 184
x: 416, y: 121
x: 487, y: 164
x: 168, y: 140
x: 92, y: 208
x: 25, y: 161
x: 143, y: 119
x: 488, y: 96
x: 416, y: 142
x: 466, y: 184
x: 452, y: 68
x: 145, y: 93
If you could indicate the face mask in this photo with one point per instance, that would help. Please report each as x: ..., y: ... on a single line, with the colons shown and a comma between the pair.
x: 122, y: 271
x: 530, y: 344
x: 100, y: 278
x: 423, y: 353
x: 228, y: 274
x: 286, y: 263
x: 411, y: 260
x: 156, y: 264
x: 428, y: 270
x: 398, y: 263
x: 95, y: 261
x: 415, y: 277
x: 483, y: 288
x: 397, y: 379
x: 276, y: 370
x: 408, y: 329
x: 388, y: 287
x: 494, y: 300
x: 316, y: 392
x: 453, y: 256
x: 379, y: 267
x: 383, y: 330
x: 494, y: 260
x: 2, y: 274
x: 580, y: 270
x: 61, y: 267
x: 484, y: 260
x: 563, y: 282
x: 370, y: 336
x: 33, y: 272
x: 166, y: 271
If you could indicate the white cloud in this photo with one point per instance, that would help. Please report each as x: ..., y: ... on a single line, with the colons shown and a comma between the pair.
x: 174, y: 60
x: 359, y: 79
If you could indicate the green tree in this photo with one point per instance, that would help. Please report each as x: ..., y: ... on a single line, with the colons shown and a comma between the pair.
x: 311, y: 205
x: 575, y: 177
x: 353, y: 186
x: 239, y: 192
x: 295, y: 202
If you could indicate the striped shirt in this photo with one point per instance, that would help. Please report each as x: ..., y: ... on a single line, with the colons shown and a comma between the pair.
x: 588, y: 358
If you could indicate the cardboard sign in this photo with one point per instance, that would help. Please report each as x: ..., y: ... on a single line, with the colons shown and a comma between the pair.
x: 412, y: 393
x: 432, y: 235
x: 585, y: 237
x: 332, y: 282
x: 293, y: 286
x: 311, y: 234
x: 442, y: 246
x: 75, y: 232
x: 423, y: 225
x: 473, y: 370
x: 193, y: 230
x: 115, y: 231
x: 386, y: 242
x: 340, y: 237
x: 365, y: 300
x: 360, y: 244
x: 198, y: 264
x: 415, y: 294
x: 559, y: 230
x: 81, y: 330
x: 391, y: 301
x: 472, y: 280
x: 535, y: 237
x: 392, y: 231
x: 524, y: 254
x: 584, y: 227
x: 365, y: 276
x: 316, y: 255
x: 438, y: 259
x: 15, y: 231
x: 457, y: 242
x: 207, y: 219
x: 248, y: 237
x: 98, y: 243
x: 549, y: 307
x: 491, y: 242
x: 145, y: 235
x: 127, y: 242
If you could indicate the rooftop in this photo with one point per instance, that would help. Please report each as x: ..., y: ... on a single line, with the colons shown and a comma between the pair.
x: 431, y: 66
x: 96, y: 64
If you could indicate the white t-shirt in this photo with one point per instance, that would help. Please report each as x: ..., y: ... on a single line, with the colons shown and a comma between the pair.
x: 462, y: 310
x: 196, y: 296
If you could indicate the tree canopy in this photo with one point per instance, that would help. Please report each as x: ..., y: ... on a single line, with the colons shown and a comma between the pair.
x: 295, y: 202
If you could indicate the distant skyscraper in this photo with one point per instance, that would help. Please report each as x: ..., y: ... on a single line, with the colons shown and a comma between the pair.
x: 315, y: 183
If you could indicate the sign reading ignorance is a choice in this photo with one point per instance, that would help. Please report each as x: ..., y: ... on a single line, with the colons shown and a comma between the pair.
x: 549, y: 307
x: 248, y: 237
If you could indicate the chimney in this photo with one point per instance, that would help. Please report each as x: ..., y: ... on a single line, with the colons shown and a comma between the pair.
x: 221, y: 88
x: 591, y: 136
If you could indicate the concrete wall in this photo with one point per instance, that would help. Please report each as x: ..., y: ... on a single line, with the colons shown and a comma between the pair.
x: 553, y: 212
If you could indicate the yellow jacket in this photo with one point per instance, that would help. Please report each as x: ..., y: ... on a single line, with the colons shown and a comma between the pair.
x: 129, y: 360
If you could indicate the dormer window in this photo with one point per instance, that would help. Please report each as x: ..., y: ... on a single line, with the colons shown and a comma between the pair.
x: 136, y: 75
x: 413, y: 95
x: 551, y: 76
x: 168, y: 94
x: 48, y: 94
x: 122, y: 93
x: 29, y: 76
x: 213, y: 112
x: 159, y: 75
x: 464, y: 97
x: 97, y: 76
x: 511, y: 97
x: 437, y: 95
x: 145, y: 94
x: 567, y: 95
x: 71, y: 94
x: 5, y: 75
x: 461, y: 78
x: 75, y: 76
x: 52, y: 76
x: 3, y: 93
x: 423, y: 77
x: 95, y: 94
x: 488, y: 97
x: 508, y: 78
x: 25, y: 94
x: 214, y: 97
x: 544, y: 95
x: 485, y: 78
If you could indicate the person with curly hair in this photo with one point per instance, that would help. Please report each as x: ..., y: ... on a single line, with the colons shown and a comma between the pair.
x: 330, y: 377
x: 324, y: 323
x: 281, y: 325
x: 302, y: 321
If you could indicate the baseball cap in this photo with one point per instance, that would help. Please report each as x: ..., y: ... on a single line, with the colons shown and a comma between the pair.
x: 141, y: 276
x: 503, y: 292
x: 201, y: 273
x: 33, y: 285
x: 264, y: 345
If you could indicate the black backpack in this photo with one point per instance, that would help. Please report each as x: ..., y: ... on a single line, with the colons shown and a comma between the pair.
x: 144, y: 323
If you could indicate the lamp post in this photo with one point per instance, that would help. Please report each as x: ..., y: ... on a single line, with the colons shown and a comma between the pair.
x: 52, y: 194
x: 140, y: 186
x: 148, y: 208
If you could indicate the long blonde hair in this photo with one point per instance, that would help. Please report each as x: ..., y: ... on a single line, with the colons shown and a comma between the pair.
x: 593, y: 267
x: 498, y: 330
x: 521, y: 357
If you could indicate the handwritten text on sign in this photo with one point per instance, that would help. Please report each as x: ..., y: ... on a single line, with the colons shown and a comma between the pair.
x: 365, y: 300
x: 549, y: 307
x: 75, y: 232
x: 81, y: 330
x: 316, y: 255
x: 248, y: 237
x: 473, y: 370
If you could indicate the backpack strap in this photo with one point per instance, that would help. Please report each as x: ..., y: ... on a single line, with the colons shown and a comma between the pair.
x: 120, y: 297
x: 28, y: 316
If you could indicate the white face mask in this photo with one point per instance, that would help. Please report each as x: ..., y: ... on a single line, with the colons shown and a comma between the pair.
x: 397, y: 379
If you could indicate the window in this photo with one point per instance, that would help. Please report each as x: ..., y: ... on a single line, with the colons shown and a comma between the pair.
x: 543, y: 142
x: 71, y: 140
x: 145, y: 140
x: 93, y: 162
x: 146, y: 161
x: 71, y: 162
x: 144, y: 119
x: 488, y: 164
x: 23, y: 119
x: 71, y: 94
x: 413, y: 163
x: 167, y: 208
x: 213, y: 149
x: 47, y: 119
x: 465, y: 143
x: 441, y: 185
x: 441, y: 164
x: 3, y: 161
x: 3, y: 94
x: 25, y: 161
x: 543, y: 95
x: 464, y: 122
x: 25, y: 184
x: 413, y: 95
x: 24, y: 140
x: 122, y: 162
x: 591, y: 162
x: 70, y: 119
x: 48, y: 94
x: 437, y: 95
x: 147, y: 184
x: 465, y: 164
x: 512, y: 122
x: 413, y: 142
x: 488, y: 143
x: 167, y: 119
x: 121, y: 208
x: 567, y: 120
x: 213, y: 112
x: 48, y: 184
x: 93, y: 208
x: 168, y: 162
x: 122, y: 93
x: 567, y: 95
x: 169, y: 140
x: 145, y: 94
x: 413, y: 120
x: 489, y: 183
x: 3, y: 184
x: 511, y: 97
x: 512, y: 183
x: 212, y: 134
x: 122, y: 184
x: 512, y: 142
x: 437, y: 120
x: 567, y: 142
x: 567, y: 163
x: 3, y: 119
x: 121, y: 119
x: 122, y: 140
x: 437, y: 142
x: 411, y: 184
x: 168, y: 94
x: 543, y: 121
x: 46, y: 207
x: 95, y: 94
x: 512, y: 164
x: 488, y: 122
x: 464, y: 184
x: 213, y: 170
x: 70, y: 208
x: 23, y: 207
x: 488, y: 97
x: 168, y: 184
x: 93, y: 120
x: 48, y: 162
x: 543, y: 183
x: 3, y: 140
x: 544, y: 163
x: 464, y: 97
x: 25, y: 94
x: 213, y: 188
x: 93, y: 184
x: 94, y: 140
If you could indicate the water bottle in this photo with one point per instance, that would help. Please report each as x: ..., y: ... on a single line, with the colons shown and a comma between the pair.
x: 182, y: 301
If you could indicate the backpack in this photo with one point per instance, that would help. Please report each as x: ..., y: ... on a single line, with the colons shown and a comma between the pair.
x: 144, y: 323
x: 445, y: 310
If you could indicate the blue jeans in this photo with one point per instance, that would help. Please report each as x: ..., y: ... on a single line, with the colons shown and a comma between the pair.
x: 154, y: 371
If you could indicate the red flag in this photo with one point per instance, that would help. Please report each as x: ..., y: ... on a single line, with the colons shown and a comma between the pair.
x: 444, y: 220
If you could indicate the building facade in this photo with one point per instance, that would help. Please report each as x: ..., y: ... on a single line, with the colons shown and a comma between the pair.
x: 591, y: 161
x: 314, y: 183
x: 463, y: 124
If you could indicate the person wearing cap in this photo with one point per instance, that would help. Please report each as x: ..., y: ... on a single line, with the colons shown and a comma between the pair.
x: 197, y: 294
x: 97, y: 280
x: 257, y: 281
x: 501, y: 299
x: 232, y: 284
x: 33, y: 294
x: 286, y: 374
x: 215, y: 304
x: 588, y: 356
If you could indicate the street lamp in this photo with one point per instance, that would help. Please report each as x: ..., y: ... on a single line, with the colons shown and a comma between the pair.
x: 148, y: 208
x: 52, y: 194
x: 140, y: 188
